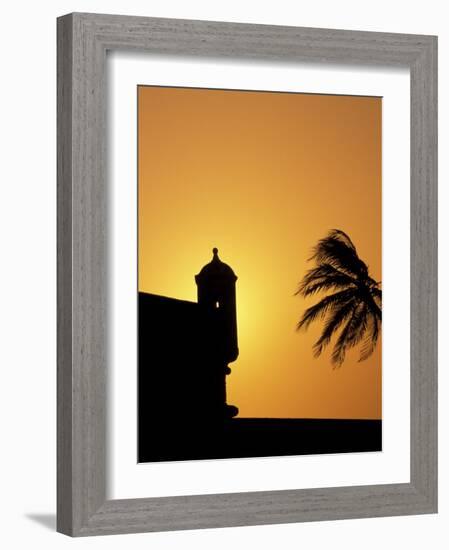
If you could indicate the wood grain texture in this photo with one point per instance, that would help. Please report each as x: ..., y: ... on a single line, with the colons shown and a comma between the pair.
x: 83, y: 40
x: 64, y: 278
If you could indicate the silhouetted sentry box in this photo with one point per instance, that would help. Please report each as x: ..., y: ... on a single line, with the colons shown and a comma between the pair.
x: 216, y: 295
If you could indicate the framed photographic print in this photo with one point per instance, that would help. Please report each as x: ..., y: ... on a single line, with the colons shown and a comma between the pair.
x: 246, y: 274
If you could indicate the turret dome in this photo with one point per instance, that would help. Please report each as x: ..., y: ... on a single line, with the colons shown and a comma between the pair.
x: 216, y: 269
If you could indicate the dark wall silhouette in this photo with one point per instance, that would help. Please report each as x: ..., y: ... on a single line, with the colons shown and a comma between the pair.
x: 177, y: 377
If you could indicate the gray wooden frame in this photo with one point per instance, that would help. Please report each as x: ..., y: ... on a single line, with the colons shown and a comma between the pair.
x: 83, y: 40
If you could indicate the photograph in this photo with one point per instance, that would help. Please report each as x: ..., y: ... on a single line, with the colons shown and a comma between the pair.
x: 259, y: 273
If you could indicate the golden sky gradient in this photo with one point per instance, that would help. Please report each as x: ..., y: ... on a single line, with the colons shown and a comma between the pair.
x: 263, y: 176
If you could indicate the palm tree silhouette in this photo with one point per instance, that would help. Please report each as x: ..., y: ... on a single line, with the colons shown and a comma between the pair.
x: 354, y: 307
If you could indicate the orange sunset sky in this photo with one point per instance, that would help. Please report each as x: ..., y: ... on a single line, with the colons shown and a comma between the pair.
x: 263, y: 176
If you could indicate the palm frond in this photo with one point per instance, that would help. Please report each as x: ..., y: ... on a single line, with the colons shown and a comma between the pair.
x: 320, y: 309
x: 344, y: 237
x: 324, y: 277
x: 371, y: 338
x: 376, y: 293
x: 351, y: 334
x: 374, y: 302
x: 339, y: 251
x: 333, y: 324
